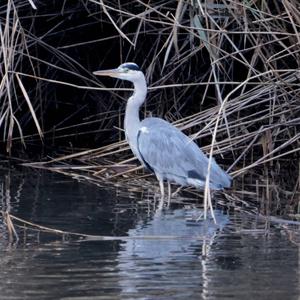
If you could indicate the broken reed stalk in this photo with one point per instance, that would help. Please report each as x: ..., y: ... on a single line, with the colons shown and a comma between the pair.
x: 20, y: 223
x: 12, y: 233
x: 27, y: 225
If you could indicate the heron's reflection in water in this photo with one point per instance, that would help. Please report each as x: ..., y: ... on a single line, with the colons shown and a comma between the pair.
x: 171, y: 240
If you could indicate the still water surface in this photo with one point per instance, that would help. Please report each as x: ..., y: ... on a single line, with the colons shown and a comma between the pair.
x: 162, y: 255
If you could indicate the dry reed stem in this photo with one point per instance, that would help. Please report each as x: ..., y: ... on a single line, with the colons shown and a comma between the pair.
x: 27, y: 225
x: 200, y: 53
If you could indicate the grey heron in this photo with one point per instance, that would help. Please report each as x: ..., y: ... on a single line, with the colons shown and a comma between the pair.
x: 161, y: 147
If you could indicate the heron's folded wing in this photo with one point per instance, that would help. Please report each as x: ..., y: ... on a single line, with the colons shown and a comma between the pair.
x: 166, y: 150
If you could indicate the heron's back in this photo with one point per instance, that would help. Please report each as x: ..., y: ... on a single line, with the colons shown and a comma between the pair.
x: 175, y: 157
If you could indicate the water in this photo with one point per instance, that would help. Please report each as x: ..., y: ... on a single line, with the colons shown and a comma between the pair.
x: 161, y: 255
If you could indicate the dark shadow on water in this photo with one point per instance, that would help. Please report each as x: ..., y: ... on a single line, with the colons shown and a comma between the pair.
x: 164, y: 255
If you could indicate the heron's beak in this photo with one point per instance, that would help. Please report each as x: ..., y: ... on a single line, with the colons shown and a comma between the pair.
x: 111, y: 72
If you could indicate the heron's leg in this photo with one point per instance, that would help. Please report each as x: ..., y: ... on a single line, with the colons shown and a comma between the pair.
x: 161, y: 185
x: 169, y: 193
x: 162, y: 189
x: 162, y: 192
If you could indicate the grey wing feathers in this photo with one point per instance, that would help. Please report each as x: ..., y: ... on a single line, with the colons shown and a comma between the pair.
x: 174, y: 156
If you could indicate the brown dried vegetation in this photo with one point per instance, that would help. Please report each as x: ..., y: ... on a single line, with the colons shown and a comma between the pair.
x: 222, y: 69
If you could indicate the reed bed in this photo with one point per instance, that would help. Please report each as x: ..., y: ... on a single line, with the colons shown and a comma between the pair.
x: 225, y: 72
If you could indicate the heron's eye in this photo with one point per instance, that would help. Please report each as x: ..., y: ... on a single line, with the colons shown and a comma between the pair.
x: 125, y: 70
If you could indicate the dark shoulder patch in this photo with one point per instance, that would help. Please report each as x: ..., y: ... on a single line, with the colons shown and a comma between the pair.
x: 194, y: 174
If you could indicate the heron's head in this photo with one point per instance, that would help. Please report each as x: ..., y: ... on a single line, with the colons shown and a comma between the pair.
x: 127, y: 71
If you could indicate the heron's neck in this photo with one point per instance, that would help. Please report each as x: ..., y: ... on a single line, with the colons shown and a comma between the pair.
x: 132, y: 119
